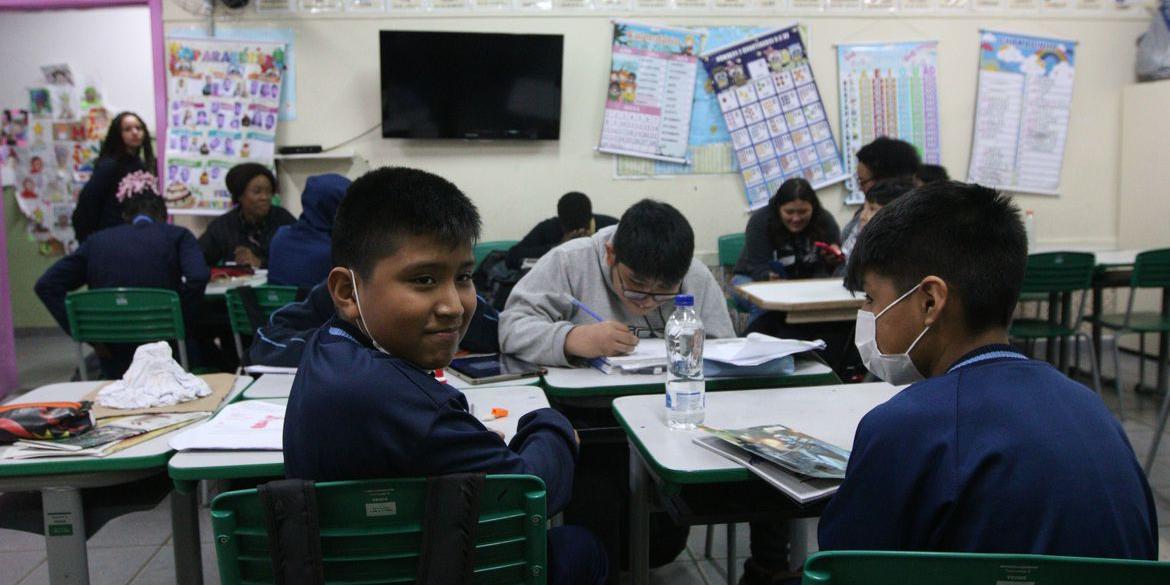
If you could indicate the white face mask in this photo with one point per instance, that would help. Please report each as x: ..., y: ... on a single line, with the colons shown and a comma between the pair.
x: 362, y: 320
x: 896, y: 369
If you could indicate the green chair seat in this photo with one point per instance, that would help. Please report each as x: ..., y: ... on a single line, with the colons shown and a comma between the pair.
x: 1038, y: 329
x: 1139, y: 322
x: 926, y: 568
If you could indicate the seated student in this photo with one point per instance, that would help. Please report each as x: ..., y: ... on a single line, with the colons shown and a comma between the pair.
x: 987, y: 451
x: 282, y: 340
x: 930, y: 174
x: 299, y: 252
x: 627, y: 273
x: 879, y: 196
x: 242, y: 235
x: 575, y: 219
x: 884, y: 158
x: 143, y: 252
x: 780, y: 241
x: 401, y: 288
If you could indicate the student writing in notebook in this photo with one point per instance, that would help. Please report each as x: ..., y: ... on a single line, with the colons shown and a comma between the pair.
x: 986, y: 450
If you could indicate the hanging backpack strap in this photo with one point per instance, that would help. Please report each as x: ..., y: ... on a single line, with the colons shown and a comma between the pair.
x: 252, y: 307
x: 294, y: 534
x: 448, y: 532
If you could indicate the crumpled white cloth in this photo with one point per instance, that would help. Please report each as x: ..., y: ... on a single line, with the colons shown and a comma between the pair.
x: 154, y: 379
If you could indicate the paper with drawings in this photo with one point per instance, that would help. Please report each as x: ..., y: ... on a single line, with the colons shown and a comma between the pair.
x: 247, y: 425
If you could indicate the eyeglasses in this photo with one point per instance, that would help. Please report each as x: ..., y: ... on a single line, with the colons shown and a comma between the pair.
x: 637, y: 295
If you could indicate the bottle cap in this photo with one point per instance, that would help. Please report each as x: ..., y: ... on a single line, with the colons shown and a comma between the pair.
x: 684, y: 301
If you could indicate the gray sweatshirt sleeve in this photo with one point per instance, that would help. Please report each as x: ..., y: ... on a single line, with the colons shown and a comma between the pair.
x: 712, y: 304
x: 535, y: 321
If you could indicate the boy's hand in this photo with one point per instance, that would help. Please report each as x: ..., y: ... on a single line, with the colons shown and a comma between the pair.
x: 605, y: 339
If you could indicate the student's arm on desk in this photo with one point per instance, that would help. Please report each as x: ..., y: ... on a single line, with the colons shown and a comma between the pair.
x: 534, y: 325
x: 544, y: 446
x: 894, y: 493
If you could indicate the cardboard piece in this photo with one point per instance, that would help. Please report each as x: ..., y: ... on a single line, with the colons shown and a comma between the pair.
x: 221, y: 385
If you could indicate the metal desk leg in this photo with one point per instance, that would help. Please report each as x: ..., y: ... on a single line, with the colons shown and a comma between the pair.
x: 639, y: 519
x: 185, y: 525
x: 799, y: 543
x: 1163, y: 379
x: 731, y: 554
x: 65, y: 536
x: 1098, y: 310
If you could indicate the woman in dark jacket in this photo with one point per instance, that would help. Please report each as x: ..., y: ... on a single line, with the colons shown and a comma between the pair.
x: 126, y: 149
x: 793, y: 237
x: 243, y: 234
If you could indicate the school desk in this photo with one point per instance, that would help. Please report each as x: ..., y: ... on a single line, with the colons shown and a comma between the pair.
x: 188, y: 468
x: 279, y: 385
x: 61, y: 479
x: 816, y: 300
x: 217, y: 289
x: 665, y: 463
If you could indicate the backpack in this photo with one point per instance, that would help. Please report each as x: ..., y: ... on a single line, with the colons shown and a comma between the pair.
x: 494, y: 280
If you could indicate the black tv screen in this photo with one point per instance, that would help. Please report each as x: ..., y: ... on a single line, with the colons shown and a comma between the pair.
x: 471, y: 85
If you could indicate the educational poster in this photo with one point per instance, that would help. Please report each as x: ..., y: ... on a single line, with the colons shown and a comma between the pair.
x: 773, y: 110
x: 223, y: 102
x: 708, y: 145
x: 651, y: 83
x: 1021, y: 112
x: 887, y: 90
x: 288, y: 86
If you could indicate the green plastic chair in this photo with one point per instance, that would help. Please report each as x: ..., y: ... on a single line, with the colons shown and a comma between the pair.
x: 371, y: 532
x: 730, y: 247
x: 482, y: 249
x: 270, y: 297
x: 926, y: 568
x: 125, y: 315
x: 1151, y: 269
x: 1059, y: 273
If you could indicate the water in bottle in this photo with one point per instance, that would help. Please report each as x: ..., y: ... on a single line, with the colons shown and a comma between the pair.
x: 686, y: 391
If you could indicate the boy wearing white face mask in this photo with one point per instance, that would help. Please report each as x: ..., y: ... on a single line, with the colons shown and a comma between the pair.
x: 986, y: 450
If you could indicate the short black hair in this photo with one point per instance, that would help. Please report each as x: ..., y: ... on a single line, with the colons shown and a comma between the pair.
x: 239, y: 176
x: 574, y: 210
x: 388, y: 204
x: 886, y: 191
x: 888, y: 157
x: 146, y: 203
x: 655, y: 241
x: 970, y: 236
x: 931, y: 174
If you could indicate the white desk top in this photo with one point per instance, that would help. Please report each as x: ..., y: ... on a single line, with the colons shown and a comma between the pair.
x: 221, y: 287
x: 589, y: 377
x: 829, y: 413
x: 802, y: 295
x: 280, y: 385
x: 1106, y: 257
x: 72, y: 392
x: 519, y: 400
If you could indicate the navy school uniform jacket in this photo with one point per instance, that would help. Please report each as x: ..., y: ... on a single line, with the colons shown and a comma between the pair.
x: 140, y: 254
x: 299, y: 254
x: 356, y: 413
x: 1003, y: 455
x: 281, y: 342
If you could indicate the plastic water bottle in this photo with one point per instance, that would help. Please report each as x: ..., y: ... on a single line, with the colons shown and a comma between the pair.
x: 1030, y: 229
x: 686, y: 391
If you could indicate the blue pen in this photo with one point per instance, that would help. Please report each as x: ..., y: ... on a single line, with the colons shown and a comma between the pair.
x: 587, y: 310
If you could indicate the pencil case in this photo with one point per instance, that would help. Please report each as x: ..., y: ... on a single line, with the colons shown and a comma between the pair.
x: 44, y: 420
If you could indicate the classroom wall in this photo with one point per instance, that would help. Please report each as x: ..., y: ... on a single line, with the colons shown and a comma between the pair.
x: 113, y: 45
x: 517, y: 184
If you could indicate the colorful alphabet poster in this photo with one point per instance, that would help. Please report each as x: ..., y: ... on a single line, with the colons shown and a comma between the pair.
x: 223, y: 102
x: 887, y: 90
x: 1021, y: 112
x: 648, y: 101
x: 773, y: 111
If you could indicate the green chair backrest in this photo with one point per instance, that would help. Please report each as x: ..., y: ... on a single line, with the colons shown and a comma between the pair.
x: 482, y: 249
x: 125, y: 315
x: 270, y: 297
x: 1058, y: 272
x: 371, y: 532
x: 922, y: 568
x: 1151, y: 269
x: 730, y: 247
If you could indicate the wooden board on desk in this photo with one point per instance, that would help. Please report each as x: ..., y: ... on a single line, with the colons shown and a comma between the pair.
x: 823, y: 299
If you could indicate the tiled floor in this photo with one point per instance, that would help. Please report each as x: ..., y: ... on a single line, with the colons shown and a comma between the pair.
x: 136, y: 548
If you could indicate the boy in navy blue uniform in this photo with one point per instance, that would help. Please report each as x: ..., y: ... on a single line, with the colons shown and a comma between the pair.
x: 143, y: 252
x: 987, y: 450
x: 365, y: 404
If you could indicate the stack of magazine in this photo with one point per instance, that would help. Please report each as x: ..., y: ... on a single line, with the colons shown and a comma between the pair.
x: 112, y: 435
x: 805, y: 468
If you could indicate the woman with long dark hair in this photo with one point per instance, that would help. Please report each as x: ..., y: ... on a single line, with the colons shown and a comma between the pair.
x: 793, y: 237
x: 126, y: 149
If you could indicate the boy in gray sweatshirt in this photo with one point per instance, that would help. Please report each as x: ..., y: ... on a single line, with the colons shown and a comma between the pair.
x: 628, y: 274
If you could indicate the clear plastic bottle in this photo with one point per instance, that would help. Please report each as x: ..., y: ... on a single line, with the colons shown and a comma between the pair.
x: 686, y: 390
x: 1030, y: 229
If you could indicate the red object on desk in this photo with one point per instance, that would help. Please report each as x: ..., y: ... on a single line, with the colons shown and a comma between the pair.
x: 225, y: 272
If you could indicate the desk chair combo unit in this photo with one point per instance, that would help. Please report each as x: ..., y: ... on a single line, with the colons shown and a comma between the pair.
x: 125, y: 315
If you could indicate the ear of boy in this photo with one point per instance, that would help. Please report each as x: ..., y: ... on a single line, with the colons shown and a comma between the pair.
x: 340, y: 287
x: 950, y: 338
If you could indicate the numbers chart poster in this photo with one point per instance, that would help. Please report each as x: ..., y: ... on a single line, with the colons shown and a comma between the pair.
x: 887, y: 90
x: 648, y: 102
x: 1021, y: 112
x: 773, y: 111
x: 223, y: 101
